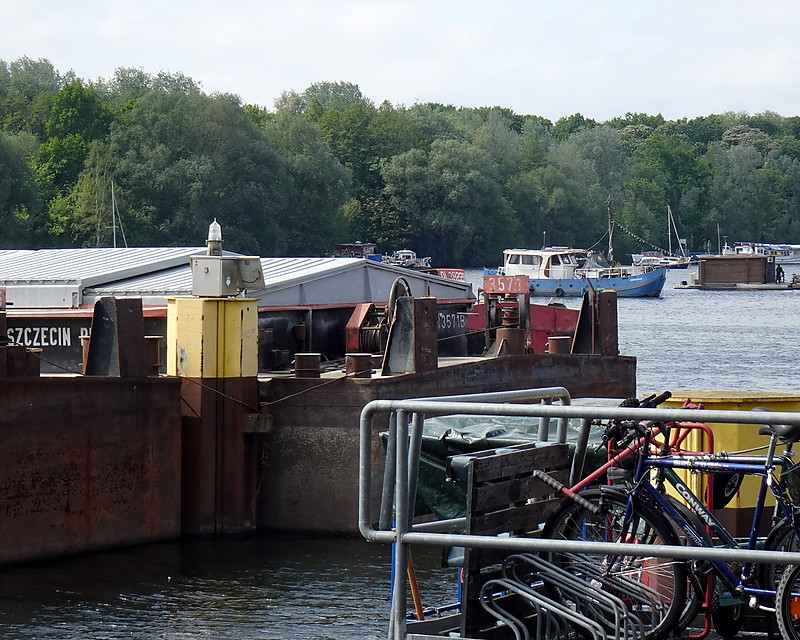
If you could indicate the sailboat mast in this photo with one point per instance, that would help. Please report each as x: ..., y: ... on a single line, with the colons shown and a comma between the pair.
x: 669, y: 230
x: 610, y: 232
x: 113, y: 214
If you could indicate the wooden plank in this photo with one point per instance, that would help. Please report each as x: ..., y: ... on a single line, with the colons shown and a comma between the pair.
x: 518, y: 461
x: 515, y: 519
x: 514, y: 490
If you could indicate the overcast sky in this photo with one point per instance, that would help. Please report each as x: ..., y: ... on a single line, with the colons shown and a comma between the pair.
x: 680, y: 58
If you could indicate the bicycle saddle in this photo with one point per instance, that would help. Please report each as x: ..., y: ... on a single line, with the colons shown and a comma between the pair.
x: 786, y: 432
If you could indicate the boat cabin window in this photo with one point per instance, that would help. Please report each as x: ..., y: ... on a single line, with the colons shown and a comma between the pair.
x: 525, y: 259
x: 555, y: 261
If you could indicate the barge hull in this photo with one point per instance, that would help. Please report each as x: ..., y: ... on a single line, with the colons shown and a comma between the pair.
x: 88, y: 464
x: 309, y: 461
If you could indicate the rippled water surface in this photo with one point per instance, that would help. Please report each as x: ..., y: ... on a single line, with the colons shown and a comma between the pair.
x: 258, y: 588
x: 308, y: 589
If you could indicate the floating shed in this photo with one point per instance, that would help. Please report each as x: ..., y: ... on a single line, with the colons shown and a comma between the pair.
x: 737, y: 271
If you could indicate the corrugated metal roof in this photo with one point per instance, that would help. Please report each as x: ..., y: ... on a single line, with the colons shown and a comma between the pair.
x: 178, y: 280
x: 64, y: 278
x: 90, y: 265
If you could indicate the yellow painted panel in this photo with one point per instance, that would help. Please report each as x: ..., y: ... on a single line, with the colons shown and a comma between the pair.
x: 212, y: 337
x: 732, y: 437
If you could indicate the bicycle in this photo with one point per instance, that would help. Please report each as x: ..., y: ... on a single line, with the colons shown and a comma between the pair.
x: 658, y: 591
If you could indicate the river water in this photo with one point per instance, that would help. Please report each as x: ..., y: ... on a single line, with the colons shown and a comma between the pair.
x: 313, y: 589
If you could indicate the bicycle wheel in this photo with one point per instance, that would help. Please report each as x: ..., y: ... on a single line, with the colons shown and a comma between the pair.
x: 781, y: 538
x: 787, y: 603
x: 697, y: 582
x: 653, y: 589
x: 727, y: 620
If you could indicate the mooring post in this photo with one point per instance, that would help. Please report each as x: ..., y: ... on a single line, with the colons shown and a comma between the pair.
x: 212, y: 343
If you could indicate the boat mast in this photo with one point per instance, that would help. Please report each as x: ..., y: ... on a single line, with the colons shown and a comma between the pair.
x: 674, y: 228
x: 669, y: 230
x: 116, y: 219
x: 610, y: 232
x: 113, y: 215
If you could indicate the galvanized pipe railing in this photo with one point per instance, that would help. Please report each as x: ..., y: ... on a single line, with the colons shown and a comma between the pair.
x: 403, y: 458
x: 545, y: 394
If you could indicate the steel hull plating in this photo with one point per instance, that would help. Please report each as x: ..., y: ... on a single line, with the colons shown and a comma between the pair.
x: 645, y: 285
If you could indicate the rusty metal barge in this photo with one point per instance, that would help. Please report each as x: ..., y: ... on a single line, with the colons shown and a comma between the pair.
x: 236, y: 409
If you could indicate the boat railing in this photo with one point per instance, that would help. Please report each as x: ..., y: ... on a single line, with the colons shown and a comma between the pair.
x: 604, y: 272
x: 394, y: 523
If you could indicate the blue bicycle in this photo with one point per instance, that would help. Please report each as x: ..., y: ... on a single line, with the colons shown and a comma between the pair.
x: 666, y: 594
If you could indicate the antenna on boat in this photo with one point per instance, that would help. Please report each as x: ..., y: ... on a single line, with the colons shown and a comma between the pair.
x: 544, y: 239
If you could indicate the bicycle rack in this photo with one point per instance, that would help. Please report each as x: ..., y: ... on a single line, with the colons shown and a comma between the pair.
x: 395, y: 526
x: 592, y: 604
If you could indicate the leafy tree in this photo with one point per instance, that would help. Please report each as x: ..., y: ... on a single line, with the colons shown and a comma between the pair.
x: 58, y: 164
x: 679, y: 168
x: 498, y: 135
x: 744, y: 135
x: 326, y: 95
x: 789, y: 224
x: 347, y: 133
x: 19, y: 205
x: 75, y: 118
x: 183, y: 159
x: 632, y: 136
x: 565, y: 127
x: 706, y: 129
x: 582, y: 173
x: 317, y: 184
x: 636, y: 120
x: 769, y: 122
x: 127, y: 85
x: 29, y: 78
x: 436, y: 121
x: 673, y: 128
x: 676, y: 159
x: 451, y: 199
x: 791, y: 126
x: 643, y: 213
x: 536, y: 140
x: 731, y: 202
x: 375, y: 217
x: 77, y: 110
x: 5, y: 79
x: 527, y: 198
x: 392, y: 131
x: 789, y: 146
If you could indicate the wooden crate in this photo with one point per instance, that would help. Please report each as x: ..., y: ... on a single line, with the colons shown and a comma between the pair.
x: 504, y: 498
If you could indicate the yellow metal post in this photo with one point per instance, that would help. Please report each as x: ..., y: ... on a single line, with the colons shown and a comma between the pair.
x: 212, y: 343
x: 212, y: 337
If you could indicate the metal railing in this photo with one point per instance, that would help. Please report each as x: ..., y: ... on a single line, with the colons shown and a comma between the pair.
x: 405, y: 426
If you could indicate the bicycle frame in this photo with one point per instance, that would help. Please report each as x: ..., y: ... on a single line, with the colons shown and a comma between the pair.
x: 751, y: 465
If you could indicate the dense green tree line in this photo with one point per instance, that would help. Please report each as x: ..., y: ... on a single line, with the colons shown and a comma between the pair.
x: 327, y: 165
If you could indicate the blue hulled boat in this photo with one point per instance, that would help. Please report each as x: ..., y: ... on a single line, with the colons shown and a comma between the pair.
x: 561, y: 271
